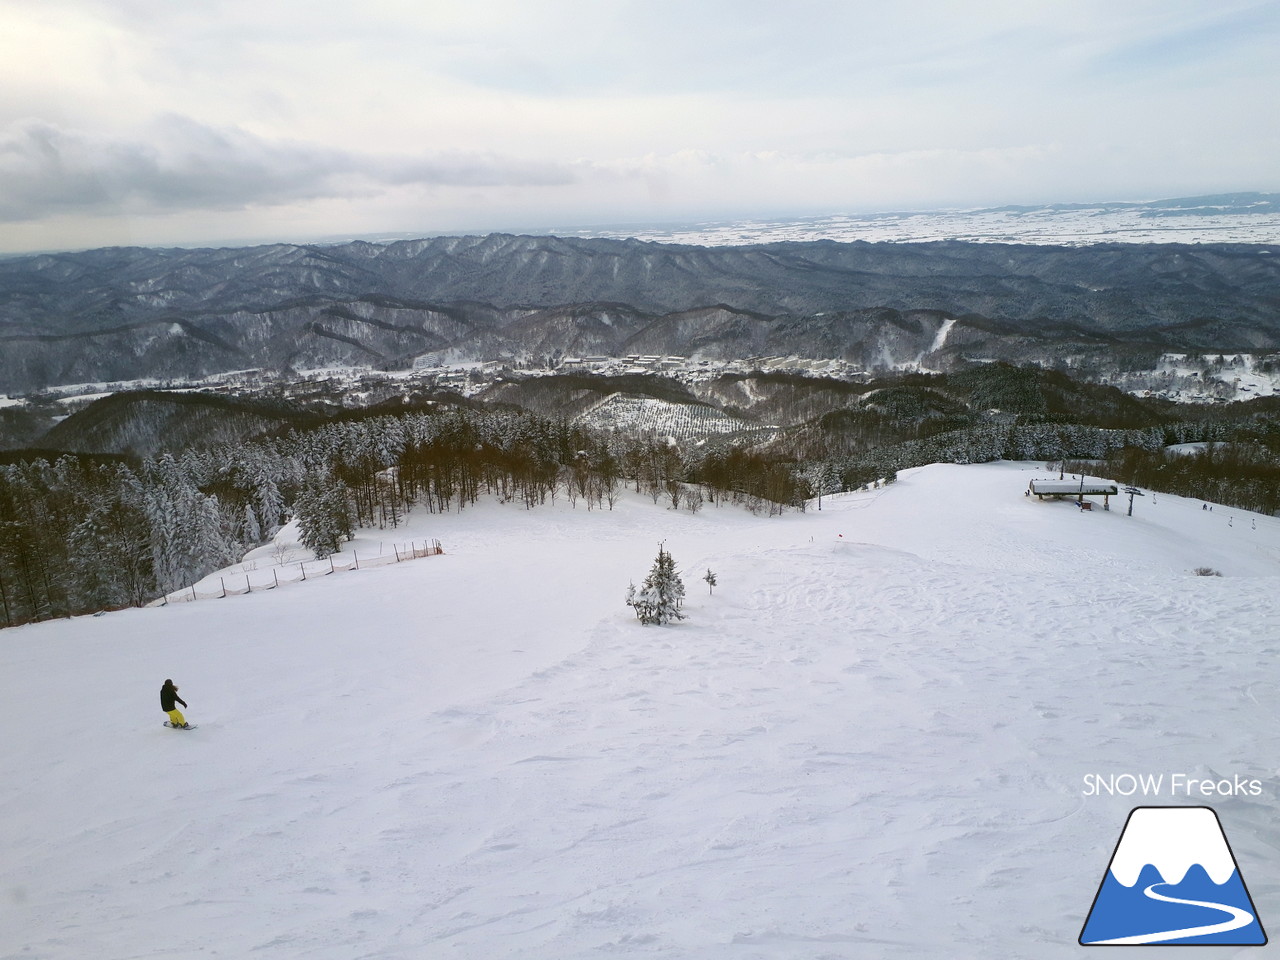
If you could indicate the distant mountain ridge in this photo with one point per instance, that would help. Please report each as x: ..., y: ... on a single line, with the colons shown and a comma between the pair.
x: 127, y: 313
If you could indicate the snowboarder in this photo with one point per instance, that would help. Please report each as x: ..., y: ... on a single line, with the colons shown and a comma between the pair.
x: 168, y: 698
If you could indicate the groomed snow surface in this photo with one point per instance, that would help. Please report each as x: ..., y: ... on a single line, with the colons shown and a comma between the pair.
x: 870, y: 741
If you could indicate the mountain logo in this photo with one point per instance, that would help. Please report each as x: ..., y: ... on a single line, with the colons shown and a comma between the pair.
x: 1172, y: 880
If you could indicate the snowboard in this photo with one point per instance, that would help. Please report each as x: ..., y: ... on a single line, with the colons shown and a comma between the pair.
x: 172, y: 727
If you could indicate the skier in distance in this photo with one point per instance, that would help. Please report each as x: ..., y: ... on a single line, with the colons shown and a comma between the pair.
x: 168, y: 700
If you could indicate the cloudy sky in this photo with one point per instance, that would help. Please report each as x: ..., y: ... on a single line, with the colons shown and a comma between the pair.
x: 152, y: 121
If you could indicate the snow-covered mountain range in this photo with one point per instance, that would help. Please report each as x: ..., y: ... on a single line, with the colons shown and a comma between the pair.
x: 127, y: 314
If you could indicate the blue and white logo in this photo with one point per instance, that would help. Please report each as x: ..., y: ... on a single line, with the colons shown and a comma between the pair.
x: 1173, y: 879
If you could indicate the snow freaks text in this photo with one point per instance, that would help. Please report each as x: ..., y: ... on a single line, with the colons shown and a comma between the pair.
x: 1171, y: 784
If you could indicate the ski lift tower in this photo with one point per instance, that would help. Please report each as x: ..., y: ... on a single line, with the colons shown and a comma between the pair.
x: 1133, y: 492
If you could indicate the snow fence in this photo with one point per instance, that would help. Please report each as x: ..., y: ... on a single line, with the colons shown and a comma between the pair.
x: 227, y: 584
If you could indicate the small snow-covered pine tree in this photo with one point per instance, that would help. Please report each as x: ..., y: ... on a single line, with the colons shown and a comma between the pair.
x: 252, y: 532
x: 658, y: 599
x: 269, y: 506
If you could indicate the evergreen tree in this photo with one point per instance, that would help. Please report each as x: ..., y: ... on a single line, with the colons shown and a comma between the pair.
x: 185, y: 525
x: 252, y: 531
x: 324, y: 517
x: 110, y: 551
x: 270, y: 505
x: 658, y: 599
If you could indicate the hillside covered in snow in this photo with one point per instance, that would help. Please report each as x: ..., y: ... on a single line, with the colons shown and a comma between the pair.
x: 881, y: 735
x: 125, y: 314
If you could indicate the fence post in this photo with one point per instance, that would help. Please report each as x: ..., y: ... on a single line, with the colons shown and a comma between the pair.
x: 356, y: 554
x: 223, y: 581
x: 193, y: 592
x: 275, y: 577
x: 331, y: 563
x: 303, y: 568
x: 247, y: 584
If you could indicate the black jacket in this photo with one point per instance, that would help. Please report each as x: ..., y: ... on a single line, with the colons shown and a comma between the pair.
x: 168, y: 694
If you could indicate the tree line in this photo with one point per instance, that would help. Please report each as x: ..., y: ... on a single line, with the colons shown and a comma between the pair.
x: 1239, y: 465
x: 1244, y: 475
x: 80, y: 534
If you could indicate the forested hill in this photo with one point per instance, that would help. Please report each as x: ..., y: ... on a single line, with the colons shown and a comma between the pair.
x: 125, y: 313
x: 87, y: 533
x: 799, y: 416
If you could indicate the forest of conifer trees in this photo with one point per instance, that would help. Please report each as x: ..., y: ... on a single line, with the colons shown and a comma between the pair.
x: 80, y: 534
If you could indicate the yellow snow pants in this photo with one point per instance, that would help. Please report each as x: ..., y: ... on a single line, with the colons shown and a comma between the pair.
x: 175, y: 717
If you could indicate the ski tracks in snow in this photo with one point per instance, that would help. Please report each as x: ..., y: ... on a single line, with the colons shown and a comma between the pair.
x: 847, y: 750
x: 878, y: 733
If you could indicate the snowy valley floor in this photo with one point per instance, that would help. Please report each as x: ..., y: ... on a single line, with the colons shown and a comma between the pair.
x: 870, y: 741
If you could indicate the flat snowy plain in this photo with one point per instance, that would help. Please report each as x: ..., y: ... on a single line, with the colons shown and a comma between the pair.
x: 870, y: 741
x: 1086, y: 224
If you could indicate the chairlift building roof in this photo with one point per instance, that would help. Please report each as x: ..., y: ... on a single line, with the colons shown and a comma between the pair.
x: 1065, y: 488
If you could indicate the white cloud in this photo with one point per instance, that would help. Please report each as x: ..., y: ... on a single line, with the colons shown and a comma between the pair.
x: 527, y: 111
x: 178, y: 164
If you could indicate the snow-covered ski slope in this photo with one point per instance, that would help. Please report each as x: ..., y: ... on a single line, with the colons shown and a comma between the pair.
x: 870, y: 741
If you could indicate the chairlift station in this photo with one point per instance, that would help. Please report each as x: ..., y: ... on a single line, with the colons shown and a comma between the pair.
x: 1075, y: 489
